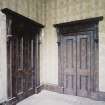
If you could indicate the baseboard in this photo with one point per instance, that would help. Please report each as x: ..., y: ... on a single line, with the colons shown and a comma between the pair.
x: 14, y: 101
x: 49, y: 87
x: 11, y: 101
x: 39, y: 89
x: 99, y: 96
x: 53, y: 87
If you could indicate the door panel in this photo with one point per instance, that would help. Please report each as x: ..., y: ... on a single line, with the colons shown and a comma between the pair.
x: 83, y: 64
x: 69, y: 64
x: 19, y: 66
x: 27, y: 66
x: 14, y: 66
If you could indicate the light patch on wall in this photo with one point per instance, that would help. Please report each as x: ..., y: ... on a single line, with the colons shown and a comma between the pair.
x: 101, y: 61
x: 41, y: 57
x: 3, y: 55
x: 49, y: 57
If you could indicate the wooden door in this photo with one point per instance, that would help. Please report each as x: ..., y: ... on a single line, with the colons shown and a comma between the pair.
x: 84, y: 71
x: 28, y: 64
x: 69, y: 49
x: 21, y: 59
x: 78, y: 50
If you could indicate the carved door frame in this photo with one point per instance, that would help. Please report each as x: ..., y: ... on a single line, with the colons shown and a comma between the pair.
x: 78, y: 26
x: 33, y: 28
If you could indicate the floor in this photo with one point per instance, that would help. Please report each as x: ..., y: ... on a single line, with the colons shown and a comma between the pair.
x: 53, y: 98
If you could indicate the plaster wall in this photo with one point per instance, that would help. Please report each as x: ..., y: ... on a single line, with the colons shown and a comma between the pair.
x: 33, y: 9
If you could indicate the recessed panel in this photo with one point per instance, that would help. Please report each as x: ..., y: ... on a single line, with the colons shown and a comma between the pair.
x: 83, y: 53
x: 83, y: 82
x: 70, y: 81
x: 69, y: 53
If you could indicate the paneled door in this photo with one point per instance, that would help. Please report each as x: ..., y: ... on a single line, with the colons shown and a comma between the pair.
x: 77, y: 63
x: 21, y: 56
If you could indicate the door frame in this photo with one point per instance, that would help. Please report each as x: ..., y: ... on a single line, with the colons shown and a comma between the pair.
x: 33, y: 28
x: 62, y: 29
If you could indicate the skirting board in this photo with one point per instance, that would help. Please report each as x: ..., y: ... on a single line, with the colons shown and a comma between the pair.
x: 39, y: 89
x: 54, y: 88
x: 100, y: 96
x: 12, y: 101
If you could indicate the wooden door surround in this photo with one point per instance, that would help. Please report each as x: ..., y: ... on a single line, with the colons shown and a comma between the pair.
x: 23, y: 39
x: 70, y: 37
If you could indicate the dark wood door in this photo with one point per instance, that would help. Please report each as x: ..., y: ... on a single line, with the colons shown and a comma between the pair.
x: 21, y: 51
x: 78, y: 50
